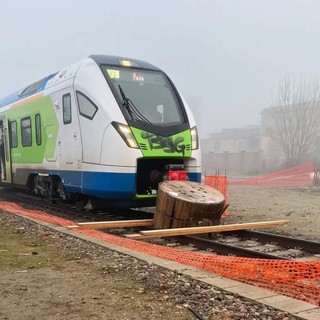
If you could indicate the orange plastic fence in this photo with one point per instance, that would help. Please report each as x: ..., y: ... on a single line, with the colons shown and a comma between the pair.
x: 297, y: 279
x: 220, y: 183
x: 301, y: 175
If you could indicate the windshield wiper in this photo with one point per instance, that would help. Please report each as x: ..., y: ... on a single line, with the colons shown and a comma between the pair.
x: 133, y: 111
x: 125, y: 101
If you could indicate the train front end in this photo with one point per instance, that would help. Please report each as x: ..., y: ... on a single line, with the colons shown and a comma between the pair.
x: 158, y: 123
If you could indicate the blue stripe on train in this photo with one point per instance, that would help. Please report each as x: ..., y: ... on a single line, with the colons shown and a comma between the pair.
x: 194, y: 176
x: 109, y: 185
x: 106, y: 185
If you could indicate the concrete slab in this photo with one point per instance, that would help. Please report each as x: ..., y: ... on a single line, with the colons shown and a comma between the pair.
x: 199, y: 274
x: 287, y: 304
x: 221, y: 282
x: 313, y: 314
x: 251, y: 292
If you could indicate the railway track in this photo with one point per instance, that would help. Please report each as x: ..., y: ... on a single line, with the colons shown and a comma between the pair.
x: 69, y: 210
x: 244, y: 243
x: 256, y: 244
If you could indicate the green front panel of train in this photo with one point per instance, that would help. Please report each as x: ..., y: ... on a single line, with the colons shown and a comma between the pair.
x: 153, y: 145
x: 35, y: 154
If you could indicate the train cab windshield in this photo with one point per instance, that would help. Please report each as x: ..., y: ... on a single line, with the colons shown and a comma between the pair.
x: 145, y: 96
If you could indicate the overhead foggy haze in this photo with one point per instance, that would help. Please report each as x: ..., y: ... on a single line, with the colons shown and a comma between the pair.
x: 225, y: 57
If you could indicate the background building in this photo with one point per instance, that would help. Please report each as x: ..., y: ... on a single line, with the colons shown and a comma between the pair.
x: 236, y: 151
x: 251, y: 150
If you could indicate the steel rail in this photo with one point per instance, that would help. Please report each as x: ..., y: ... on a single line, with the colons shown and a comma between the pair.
x: 285, y: 241
x: 224, y: 249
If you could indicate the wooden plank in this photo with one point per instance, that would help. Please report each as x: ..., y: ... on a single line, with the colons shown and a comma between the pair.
x: 113, y: 224
x: 208, y: 229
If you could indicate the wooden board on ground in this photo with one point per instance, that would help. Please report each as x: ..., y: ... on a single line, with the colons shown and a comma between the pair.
x: 113, y: 224
x: 200, y: 230
x: 186, y: 203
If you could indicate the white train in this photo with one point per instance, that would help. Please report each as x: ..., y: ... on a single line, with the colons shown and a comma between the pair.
x: 105, y: 129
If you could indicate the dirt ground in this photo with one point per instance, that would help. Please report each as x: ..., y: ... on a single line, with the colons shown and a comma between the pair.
x: 38, y: 280
x: 301, y: 206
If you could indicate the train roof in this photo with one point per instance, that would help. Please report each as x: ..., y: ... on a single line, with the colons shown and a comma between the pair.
x: 27, y: 91
x: 40, y: 85
x: 117, y: 61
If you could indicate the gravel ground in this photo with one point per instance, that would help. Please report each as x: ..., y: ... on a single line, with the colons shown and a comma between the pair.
x: 301, y: 206
x: 109, y: 285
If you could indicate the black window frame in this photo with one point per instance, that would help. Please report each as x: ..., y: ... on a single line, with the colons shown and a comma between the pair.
x: 87, y: 98
x: 13, y: 143
x: 66, y: 107
x: 37, y: 121
x: 23, y: 129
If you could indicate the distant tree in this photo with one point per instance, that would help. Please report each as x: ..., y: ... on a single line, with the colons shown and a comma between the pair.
x: 295, y: 115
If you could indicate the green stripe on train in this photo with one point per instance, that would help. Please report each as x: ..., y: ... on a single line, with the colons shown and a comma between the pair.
x: 35, y: 154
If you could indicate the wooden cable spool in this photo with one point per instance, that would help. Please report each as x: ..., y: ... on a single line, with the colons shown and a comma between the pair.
x: 186, y: 203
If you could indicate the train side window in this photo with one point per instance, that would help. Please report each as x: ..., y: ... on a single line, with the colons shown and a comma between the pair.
x: 38, y: 128
x: 13, y: 134
x: 31, y: 88
x: 26, y: 132
x: 66, y: 106
x: 86, y: 107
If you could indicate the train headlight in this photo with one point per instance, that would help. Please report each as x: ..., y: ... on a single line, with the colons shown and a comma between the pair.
x: 126, y: 134
x: 194, y: 138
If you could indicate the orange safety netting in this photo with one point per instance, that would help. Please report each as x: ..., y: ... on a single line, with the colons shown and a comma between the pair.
x: 301, y: 175
x: 296, y: 279
x: 220, y: 183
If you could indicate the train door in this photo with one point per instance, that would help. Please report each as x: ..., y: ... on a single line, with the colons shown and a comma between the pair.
x: 5, y: 157
x: 69, y: 140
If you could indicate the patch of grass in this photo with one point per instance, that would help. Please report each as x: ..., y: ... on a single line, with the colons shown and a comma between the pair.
x: 20, y: 251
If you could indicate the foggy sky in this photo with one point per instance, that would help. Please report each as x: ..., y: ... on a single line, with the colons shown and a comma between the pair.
x: 225, y: 57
